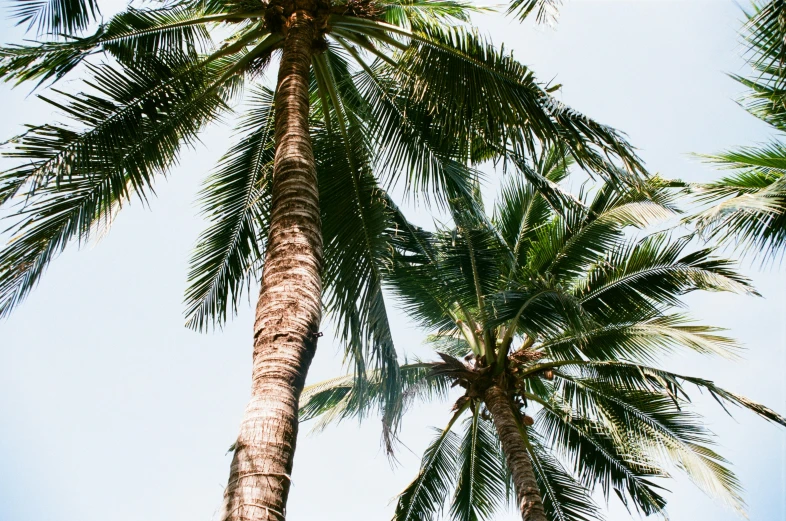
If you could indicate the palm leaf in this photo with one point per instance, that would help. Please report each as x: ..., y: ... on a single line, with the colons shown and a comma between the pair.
x: 75, y: 180
x: 493, y: 96
x: 55, y: 16
x: 546, y: 11
x: 636, y: 377
x: 424, y: 497
x: 582, y: 234
x: 419, y: 13
x: 749, y: 207
x: 564, y: 498
x: 355, y: 227
x: 481, y: 486
x: 599, y: 459
x: 337, y: 399
x: 410, y: 144
x: 645, y: 340
x: 646, y: 276
x: 235, y: 199
x: 127, y: 36
x: 658, y: 428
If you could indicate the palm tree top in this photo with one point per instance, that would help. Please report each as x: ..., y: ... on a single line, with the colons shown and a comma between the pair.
x: 367, y: 93
x: 570, y: 316
x: 395, y: 95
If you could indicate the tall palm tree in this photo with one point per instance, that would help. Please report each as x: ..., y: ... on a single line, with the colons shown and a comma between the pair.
x: 552, y: 323
x: 749, y: 206
x: 366, y: 90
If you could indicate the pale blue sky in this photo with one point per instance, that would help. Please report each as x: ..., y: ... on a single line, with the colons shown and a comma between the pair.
x: 111, y: 410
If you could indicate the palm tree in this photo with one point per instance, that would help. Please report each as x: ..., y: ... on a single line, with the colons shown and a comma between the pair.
x: 750, y: 204
x: 366, y: 91
x: 552, y: 323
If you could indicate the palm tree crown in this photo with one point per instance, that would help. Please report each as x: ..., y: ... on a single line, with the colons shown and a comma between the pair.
x: 367, y: 92
x: 410, y: 114
x: 561, y: 316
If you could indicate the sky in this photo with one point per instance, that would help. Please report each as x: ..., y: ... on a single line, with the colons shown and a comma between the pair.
x: 111, y: 409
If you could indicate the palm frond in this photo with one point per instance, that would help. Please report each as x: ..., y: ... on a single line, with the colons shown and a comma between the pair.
x: 75, y: 179
x: 417, y: 280
x: 449, y: 344
x: 463, y: 252
x: 235, y: 199
x: 341, y: 398
x: 657, y: 428
x: 648, y: 275
x: 127, y: 36
x: 749, y: 207
x: 495, y: 97
x: 564, y: 498
x: 636, y: 377
x: 55, y: 16
x: 526, y: 205
x: 355, y: 227
x: 545, y: 11
x: 644, y: 340
x: 600, y: 459
x: 481, y: 486
x: 582, y: 234
x: 410, y: 145
x: 418, y: 13
x: 765, y: 34
x: 424, y: 497
x: 538, y: 309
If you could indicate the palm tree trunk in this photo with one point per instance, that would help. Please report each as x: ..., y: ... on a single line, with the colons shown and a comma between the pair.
x: 289, y: 306
x: 515, y: 449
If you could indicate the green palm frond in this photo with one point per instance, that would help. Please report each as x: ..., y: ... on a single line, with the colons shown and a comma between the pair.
x: 355, y: 227
x: 127, y: 36
x: 418, y: 282
x: 411, y: 146
x: 643, y: 277
x: 423, y: 499
x: 600, y: 459
x: 564, y: 498
x: 749, y: 208
x: 765, y: 35
x: 55, y: 16
x: 493, y: 95
x: 481, y: 486
x: 545, y: 11
x: 462, y: 252
x: 571, y: 243
x: 410, y: 14
x: 641, y: 339
x: 636, y: 377
x: 657, y: 427
x: 766, y: 99
x: 449, y: 344
x: 235, y: 199
x: 525, y: 205
x: 337, y: 399
x: 758, y: 168
x: 540, y: 308
x: 501, y: 98
x: 75, y: 179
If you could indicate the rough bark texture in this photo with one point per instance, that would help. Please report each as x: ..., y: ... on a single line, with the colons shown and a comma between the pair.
x: 288, y: 310
x: 519, y: 462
